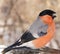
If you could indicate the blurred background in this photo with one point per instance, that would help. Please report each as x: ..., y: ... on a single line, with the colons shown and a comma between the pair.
x: 16, y: 16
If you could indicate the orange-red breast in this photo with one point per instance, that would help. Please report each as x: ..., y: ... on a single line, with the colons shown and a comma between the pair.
x: 39, y: 34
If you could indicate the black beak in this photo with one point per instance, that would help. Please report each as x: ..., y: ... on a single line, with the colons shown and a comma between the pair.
x: 54, y: 15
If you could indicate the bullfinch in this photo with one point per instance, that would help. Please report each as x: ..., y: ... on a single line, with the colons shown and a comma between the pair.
x: 39, y: 34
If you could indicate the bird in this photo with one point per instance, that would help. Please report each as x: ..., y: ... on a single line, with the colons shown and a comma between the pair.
x: 39, y: 34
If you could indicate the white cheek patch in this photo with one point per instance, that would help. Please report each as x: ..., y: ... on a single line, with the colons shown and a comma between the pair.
x: 28, y: 44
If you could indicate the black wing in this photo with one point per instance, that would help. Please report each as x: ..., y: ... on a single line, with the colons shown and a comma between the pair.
x: 27, y: 36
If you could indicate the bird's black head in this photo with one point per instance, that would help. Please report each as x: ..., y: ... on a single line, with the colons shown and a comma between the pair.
x: 48, y: 12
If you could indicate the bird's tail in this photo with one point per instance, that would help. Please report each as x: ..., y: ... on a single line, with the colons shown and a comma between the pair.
x: 11, y: 47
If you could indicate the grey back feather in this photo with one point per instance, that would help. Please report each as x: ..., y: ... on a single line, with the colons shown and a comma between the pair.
x: 38, y: 26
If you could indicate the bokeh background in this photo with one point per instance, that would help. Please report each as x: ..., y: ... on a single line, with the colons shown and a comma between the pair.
x: 16, y: 16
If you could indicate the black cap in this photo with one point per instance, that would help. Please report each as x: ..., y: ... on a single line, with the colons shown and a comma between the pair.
x: 48, y: 12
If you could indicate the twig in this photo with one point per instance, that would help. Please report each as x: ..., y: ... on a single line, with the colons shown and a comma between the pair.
x: 45, y: 50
